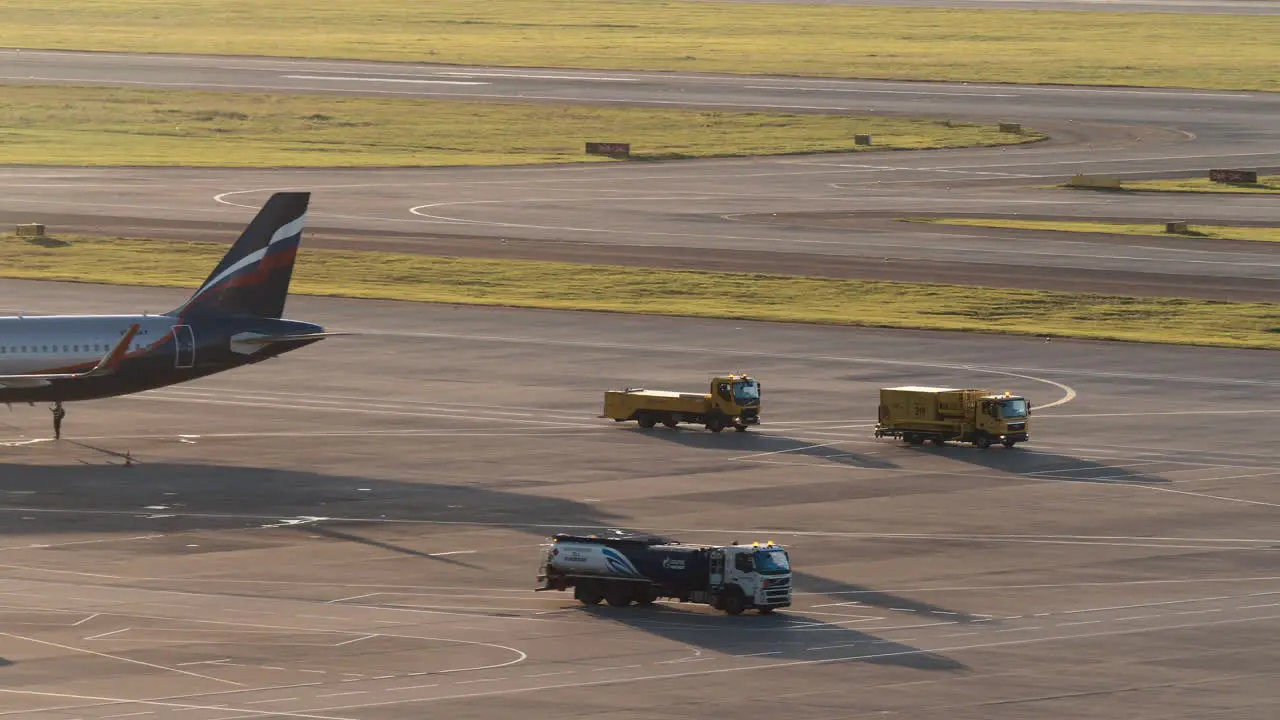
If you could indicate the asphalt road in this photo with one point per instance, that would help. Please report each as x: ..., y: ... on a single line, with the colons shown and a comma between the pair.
x: 351, y: 532
x: 821, y: 214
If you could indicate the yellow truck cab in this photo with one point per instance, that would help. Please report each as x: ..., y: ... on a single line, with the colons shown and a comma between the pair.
x: 733, y: 400
x: 981, y: 417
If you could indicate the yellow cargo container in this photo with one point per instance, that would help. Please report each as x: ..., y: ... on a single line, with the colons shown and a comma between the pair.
x: 733, y: 400
x: 937, y: 414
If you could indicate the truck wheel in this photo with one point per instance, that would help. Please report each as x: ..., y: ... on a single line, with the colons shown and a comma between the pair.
x: 939, y: 442
x: 715, y: 424
x: 671, y: 421
x: 618, y: 596
x: 913, y: 439
x: 734, y: 603
x: 645, y: 421
x: 1008, y: 443
x: 982, y: 442
x: 646, y: 597
x: 740, y: 428
x: 766, y: 611
x: 587, y: 594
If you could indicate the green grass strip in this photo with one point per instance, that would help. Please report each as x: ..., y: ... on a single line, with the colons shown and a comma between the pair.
x: 1267, y: 184
x: 565, y: 286
x: 1216, y: 232
x: 51, y: 125
x: 1098, y: 48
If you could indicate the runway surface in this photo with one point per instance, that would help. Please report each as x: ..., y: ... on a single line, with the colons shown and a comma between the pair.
x: 351, y: 532
x: 820, y: 214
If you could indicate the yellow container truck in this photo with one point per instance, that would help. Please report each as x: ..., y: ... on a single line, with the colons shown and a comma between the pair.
x: 981, y: 417
x: 734, y: 400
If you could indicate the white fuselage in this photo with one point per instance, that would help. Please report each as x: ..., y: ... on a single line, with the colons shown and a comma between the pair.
x: 46, y: 343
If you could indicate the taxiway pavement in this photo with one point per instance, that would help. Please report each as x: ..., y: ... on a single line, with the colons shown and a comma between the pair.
x: 773, y: 212
x: 352, y: 531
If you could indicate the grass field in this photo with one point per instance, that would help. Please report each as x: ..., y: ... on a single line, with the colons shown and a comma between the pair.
x: 1204, y: 51
x: 50, y: 125
x: 1267, y: 184
x: 1219, y: 232
x: 667, y: 292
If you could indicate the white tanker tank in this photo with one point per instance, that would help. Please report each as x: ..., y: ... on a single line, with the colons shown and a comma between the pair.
x: 623, y: 568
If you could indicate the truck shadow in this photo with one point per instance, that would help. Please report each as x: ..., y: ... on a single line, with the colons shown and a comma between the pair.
x: 861, y: 596
x: 768, y: 447
x: 785, y: 636
x: 1045, y: 466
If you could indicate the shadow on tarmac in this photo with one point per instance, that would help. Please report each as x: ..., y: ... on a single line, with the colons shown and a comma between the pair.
x: 785, y: 635
x: 1041, y: 465
x: 862, y: 596
x: 106, y: 497
x: 778, y: 447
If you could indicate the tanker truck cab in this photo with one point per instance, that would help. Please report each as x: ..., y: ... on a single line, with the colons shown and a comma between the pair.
x: 756, y: 576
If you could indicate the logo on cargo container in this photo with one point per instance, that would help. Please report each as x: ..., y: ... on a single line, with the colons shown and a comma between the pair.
x: 671, y: 564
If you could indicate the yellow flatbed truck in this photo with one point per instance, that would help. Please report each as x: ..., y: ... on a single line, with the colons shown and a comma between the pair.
x: 734, y: 401
x: 981, y: 417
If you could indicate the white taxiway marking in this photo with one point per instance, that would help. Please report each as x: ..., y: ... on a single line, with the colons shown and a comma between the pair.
x: 117, y: 657
x: 883, y: 92
x: 539, y: 77
x: 798, y: 663
x: 386, y: 80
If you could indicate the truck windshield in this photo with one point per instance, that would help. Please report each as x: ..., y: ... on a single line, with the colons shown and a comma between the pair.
x: 772, y: 562
x: 1013, y: 408
x: 746, y: 392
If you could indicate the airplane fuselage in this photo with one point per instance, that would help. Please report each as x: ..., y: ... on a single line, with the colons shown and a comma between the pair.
x: 166, y: 350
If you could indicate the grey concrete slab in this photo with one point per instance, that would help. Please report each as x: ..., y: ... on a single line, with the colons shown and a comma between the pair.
x: 351, y: 532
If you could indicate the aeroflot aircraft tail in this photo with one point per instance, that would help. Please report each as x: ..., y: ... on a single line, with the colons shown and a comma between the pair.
x: 253, y: 279
x: 234, y: 319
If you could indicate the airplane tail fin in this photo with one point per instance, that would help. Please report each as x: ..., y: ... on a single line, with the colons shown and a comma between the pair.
x: 253, y: 278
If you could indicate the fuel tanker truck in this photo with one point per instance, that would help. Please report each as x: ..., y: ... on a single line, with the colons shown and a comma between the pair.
x: 626, y: 568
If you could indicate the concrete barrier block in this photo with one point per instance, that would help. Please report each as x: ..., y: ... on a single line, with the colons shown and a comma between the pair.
x: 1011, y: 128
x: 1177, y: 227
x: 30, y: 230
x: 613, y: 149
x: 861, y: 139
x: 1233, y: 176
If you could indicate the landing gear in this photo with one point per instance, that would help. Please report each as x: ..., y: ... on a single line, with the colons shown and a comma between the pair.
x: 58, y: 415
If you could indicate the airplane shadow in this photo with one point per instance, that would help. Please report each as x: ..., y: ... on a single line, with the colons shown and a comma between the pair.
x: 786, y: 635
x: 778, y: 447
x: 165, y: 497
